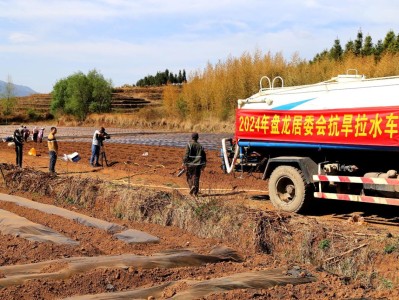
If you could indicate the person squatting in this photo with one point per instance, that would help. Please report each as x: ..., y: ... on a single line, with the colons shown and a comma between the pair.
x: 194, y: 161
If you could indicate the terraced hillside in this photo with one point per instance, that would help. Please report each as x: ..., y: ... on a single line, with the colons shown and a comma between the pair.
x: 37, y: 102
x: 132, y: 98
x: 124, y: 99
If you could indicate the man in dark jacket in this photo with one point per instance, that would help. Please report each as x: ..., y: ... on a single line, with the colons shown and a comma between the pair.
x: 194, y: 160
x: 18, y: 141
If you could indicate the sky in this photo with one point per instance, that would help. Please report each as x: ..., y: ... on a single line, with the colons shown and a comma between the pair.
x: 43, y: 41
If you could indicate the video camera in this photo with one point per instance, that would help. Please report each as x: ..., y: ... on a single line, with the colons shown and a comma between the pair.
x: 103, y: 134
x: 106, y: 136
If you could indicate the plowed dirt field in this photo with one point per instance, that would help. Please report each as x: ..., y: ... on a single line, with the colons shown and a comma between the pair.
x: 183, y: 265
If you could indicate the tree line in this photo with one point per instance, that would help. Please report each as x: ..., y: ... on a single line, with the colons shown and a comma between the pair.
x: 211, y: 94
x: 362, y: 47
x: 163, y: 78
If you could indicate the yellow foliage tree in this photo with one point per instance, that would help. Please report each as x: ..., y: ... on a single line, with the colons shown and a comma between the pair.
x: 170, y: 97
x: 213, y: 92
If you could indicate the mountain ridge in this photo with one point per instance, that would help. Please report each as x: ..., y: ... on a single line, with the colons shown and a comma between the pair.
x: 19, y: 90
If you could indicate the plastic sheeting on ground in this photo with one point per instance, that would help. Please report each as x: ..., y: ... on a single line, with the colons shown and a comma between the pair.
x: 132, y: 236
x: 249, y: 280
x: 62, y: 212
x: 13, y: 224
x: 190, y: 289
x: 67, y: 267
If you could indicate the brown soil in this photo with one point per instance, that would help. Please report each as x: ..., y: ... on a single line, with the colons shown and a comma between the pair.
x: 158, y: 170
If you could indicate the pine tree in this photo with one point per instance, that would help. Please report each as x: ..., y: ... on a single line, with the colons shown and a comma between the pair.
x: 368, y: 48
x: 184, y: 76
x: 349, y: 47
x: 379, y: 48
x: 358, y: 45
x: 180, y: 77
x: 336, y: 51
x: 389, y: 42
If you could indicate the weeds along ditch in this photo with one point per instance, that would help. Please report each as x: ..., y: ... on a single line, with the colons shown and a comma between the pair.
x: 287, y: 238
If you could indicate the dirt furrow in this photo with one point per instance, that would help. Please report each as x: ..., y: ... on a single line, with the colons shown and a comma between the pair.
x: 349, y: 259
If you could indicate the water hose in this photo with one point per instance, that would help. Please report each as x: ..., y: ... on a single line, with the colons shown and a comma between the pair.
x: 229, y: 167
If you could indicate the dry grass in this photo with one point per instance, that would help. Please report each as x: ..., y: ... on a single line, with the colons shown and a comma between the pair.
x: 150, y: 118
x: 206, y: 217
x: 69, y: 189
x: 288, y: 238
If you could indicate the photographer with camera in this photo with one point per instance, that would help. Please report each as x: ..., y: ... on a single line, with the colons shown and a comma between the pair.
x: 98, y: 137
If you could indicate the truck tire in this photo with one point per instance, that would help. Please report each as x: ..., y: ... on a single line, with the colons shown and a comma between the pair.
x: 288, y: 189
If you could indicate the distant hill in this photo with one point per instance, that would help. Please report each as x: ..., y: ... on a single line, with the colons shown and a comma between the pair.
x: 19, y: 90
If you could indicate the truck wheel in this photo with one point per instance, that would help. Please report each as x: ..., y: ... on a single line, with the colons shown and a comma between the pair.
x: 288, y: 189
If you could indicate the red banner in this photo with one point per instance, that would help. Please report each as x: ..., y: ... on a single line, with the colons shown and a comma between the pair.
x: 378, y: 126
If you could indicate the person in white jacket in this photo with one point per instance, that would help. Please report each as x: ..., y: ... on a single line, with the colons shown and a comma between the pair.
x: 98, y: 138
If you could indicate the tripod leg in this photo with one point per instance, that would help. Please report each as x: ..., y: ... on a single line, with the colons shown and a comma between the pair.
x: 106, y: 161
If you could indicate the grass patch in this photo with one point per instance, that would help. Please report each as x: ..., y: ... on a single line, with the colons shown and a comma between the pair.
x: 288, y: 238
x: 324, y: 244
x: 389, y: 249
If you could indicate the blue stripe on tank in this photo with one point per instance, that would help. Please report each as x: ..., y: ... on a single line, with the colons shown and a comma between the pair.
x: 291, y: 105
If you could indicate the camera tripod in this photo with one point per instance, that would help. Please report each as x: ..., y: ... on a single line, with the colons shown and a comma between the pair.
x: 103, y: 157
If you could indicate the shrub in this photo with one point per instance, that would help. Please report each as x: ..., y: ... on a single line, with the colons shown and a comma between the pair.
x: 324, y: 244
x: 389, y: 249
x: 32, y: 114
x: 80, y: 94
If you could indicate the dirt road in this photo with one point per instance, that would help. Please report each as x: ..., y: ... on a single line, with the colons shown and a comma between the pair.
x: 181, y: 264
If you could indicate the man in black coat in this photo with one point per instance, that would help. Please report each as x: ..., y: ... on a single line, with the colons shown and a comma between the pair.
x: 194, y: 161
x: 18, y: 141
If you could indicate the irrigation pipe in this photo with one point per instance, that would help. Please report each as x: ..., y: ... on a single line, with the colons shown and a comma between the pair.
x: 130, y: 176
x: 172, y: 188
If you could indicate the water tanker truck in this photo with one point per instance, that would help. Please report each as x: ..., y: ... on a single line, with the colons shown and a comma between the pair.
x: 337, y: 139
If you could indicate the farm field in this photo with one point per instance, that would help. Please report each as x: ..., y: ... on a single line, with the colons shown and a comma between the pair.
x: 240, y: 249
x: 125, y: 100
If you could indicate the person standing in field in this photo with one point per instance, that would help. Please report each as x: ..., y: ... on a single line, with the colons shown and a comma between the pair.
x: 35, y: 134
x: 97, y: 142
x: 26, y: 133
x: 19, y: 142
x: 194, y: 161
x: 52, y: 149
x: 40, y: 135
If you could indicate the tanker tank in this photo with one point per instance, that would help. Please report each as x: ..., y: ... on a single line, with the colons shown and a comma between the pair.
x: 348, y: 110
